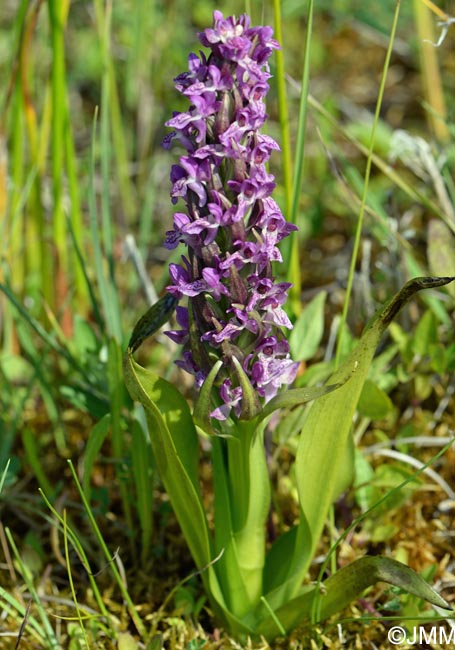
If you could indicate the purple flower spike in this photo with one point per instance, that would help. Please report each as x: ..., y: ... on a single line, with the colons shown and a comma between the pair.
x: 231, y: 225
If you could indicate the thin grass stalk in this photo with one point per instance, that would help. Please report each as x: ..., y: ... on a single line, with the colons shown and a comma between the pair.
x: 430, y: 72
x: 14, y: 48
x: 108, y: 555
x: 75, y: 224
x: 291, y: 247
x: 105, y: 160
x: 283, y: 110
x: 112, y: 312
x: 39, y: 266
x: 15, y: 213
x: 138, y: 63
x: 4, y: 474
x: 105, y: 143
x: 110, y: 326
x: 70, y: 580
x: 436, y: 10
x: 13, y: 253
x: 81, y: 554
x: 358, y: 233
x: 140, y: 94
x: 126, y: 187
x: 64, y: 158
x: 3, y: 179
x: 127, y: 194
x: 300, y: 144
x: 299, y: 162
x: 17, y: 195
x: 95, y: 440
x: 45, y: 131
x: 110, y: 302
x: 14, y: 606
x: 89, y: 288
x: 56, y: 10
x: 28, y: 580
x: 9, y: 199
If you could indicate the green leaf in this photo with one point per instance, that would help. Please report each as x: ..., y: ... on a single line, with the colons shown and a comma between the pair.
x: 425, y: 334
x: 34, y: 458
x: 228, y: 570
x: 94, y: 443
x: 438, y: 357
x: 84, y: 338
x: 275, y: 569
x: 366, y: 494
x: 374, y: 403
x: 345, y: 585
x: 308, y: 329
x: 322, y: 445
x: 296, y: 397
x: 86, y: 399
x: 175, y: 449
x: 143, y: 472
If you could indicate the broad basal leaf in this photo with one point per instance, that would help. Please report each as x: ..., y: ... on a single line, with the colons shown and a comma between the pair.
x: 175, y: 449
x: 321, y: 460
x: 339, y: 590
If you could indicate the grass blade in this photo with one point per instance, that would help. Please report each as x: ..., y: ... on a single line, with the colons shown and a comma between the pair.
x: 49, y: 633
x: 358, y: 232
x: 108, y: 555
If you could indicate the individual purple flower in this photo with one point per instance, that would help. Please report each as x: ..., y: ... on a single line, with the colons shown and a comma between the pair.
x: 231, y: 225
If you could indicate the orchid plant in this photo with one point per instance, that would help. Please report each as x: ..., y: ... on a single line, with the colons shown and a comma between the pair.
x: 231, y: 324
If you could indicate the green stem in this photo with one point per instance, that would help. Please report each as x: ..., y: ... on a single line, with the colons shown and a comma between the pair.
x: 59, y: 116
x: 358, y: 232
x: 291, y: 247
x: 283, y: 110
x: 15, y: 211
x: 249, y: 503
x: 127, y: 196
x: 81, y: 291
x: 294, y: 274
x: 108, y: 555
